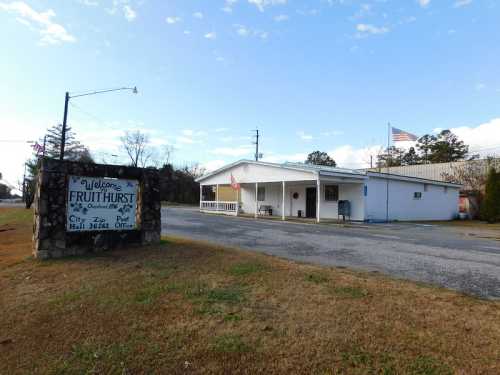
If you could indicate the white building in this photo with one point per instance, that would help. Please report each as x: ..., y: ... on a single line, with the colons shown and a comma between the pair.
x: 302, y: 190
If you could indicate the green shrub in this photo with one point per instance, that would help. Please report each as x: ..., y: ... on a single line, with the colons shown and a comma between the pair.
x: 490, y: 206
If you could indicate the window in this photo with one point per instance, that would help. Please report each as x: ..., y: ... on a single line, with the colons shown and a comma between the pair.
x: 331, y: 193
x: 417, y: 195
x: 426, y: 187
x: 261, y: 193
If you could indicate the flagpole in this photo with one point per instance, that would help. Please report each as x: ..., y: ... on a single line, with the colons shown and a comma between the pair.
x: 387, y: 171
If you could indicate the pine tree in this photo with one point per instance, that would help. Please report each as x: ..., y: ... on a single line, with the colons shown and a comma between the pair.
x: 443, y: 148
x: 73, y: 149
x: 490, y: 206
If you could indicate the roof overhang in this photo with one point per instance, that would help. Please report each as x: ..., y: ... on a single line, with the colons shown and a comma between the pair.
x: 239, y: 162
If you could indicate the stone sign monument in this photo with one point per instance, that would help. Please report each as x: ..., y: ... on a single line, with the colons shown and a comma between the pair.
x: 82, y: 207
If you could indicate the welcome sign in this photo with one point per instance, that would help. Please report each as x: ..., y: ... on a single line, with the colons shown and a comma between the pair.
x: 98, y: 204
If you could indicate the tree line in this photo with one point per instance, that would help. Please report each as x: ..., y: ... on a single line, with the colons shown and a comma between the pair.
x: 441, y: 148
x: 177, y: 183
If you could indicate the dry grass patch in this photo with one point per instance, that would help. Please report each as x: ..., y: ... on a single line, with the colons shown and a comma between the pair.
x: 190, y: 307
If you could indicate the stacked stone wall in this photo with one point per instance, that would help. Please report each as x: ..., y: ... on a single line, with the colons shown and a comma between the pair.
x: 50, y: 238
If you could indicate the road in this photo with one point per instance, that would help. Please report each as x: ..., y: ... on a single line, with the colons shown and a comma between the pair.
x: 419, y: 252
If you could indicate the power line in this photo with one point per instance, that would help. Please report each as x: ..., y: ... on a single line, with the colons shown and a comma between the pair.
x: 94, y: 117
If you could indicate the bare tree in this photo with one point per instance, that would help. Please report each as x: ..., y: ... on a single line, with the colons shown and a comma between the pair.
x: 137, y: 146
x: 471, y: 174
x: 195, y: 170
x: 162, y: 156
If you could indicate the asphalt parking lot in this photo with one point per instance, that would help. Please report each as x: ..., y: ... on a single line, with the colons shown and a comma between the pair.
x: 427, y: 253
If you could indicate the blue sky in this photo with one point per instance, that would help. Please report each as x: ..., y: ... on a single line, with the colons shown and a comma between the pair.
x: 315, y: 74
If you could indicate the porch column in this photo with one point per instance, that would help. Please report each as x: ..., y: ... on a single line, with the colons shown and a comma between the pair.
x: 238, y: 201
x: 283, y: 202
x: 318, y: 198
x: 256, y: 200
x: 217, y: 197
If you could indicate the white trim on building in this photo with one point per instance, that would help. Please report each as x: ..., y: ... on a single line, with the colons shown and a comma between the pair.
x: 302, y: 190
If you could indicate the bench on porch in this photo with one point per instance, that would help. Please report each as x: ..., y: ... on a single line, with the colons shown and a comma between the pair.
x: 265, y: 209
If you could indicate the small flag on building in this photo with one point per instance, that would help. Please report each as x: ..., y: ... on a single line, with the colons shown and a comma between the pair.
x: 234, y: 184
x: 399, y: 135
x: 37, y: 148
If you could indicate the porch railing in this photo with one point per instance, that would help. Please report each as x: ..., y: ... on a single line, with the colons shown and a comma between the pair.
x: 227, y: 208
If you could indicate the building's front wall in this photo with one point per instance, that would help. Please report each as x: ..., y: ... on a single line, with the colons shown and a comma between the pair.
x: 350, y: 192
x: 437, y: 203
x: 273, y: 198
x: 328, y: 210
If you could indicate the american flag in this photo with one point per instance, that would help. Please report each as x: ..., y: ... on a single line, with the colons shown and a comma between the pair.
x: 37, y: 148
x: 235, y: 185
x: 399, y: 135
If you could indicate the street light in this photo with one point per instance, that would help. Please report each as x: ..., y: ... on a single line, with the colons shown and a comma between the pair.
x: 66, y: 102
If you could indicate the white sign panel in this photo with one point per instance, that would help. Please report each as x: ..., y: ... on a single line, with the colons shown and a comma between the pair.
x: 101, y: 204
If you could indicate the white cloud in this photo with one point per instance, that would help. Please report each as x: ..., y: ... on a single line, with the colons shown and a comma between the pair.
x: 228, y: 7
x: 462, y: 3
x: 332, y: 133
x: 282, y: 158
x: 172, y: 20
x: 241, y: 30
x: 198, y: 15
x: 190, y: 137
x: 50, y: 32
x: 211, y: 35
x: 281, y: 18
x: 244, y: 31
x: 483, y: 139
x: 365, y: 29
x: 263, y: 4
x: 423, y: 3
x: 349, y: 157
x: 124, y: 5
x: 129, y: 13
x: 303, y: 136
x: 213, y: 165
x: 220, y: 130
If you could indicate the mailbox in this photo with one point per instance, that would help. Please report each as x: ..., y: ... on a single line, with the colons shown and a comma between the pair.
x: 345, y: 208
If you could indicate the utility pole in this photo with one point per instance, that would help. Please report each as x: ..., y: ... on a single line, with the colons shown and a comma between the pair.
x: 66, y: 102
x: 387, y: 171
x: 63, y: 134
x: 44, y: 144
x: 256, y: 144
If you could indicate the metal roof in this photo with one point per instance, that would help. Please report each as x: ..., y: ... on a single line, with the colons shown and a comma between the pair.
x: 292, y: 166
x: 328, y: 171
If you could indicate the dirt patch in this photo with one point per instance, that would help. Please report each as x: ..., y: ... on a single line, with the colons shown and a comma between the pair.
x: 188, y: 307
x: 16, y: 229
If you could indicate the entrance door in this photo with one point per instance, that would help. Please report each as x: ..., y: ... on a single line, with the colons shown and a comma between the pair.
x: 311, y: 202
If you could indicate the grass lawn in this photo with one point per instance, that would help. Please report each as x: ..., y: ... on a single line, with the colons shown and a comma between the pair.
x: 191, y: 307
